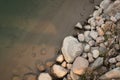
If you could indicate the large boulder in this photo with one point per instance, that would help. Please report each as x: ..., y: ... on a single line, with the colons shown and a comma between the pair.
x: 71, y: 48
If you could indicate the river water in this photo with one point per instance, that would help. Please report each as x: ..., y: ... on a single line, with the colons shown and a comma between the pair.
x: 32, y: 31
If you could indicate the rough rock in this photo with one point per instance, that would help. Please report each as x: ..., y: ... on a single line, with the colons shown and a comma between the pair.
x: 97, y: 63
x: 113, y: 74
x: 94, y: 34
x: 95, y: 53
x: 60, y: 58
x: 87, y: 37
x: 81, y: 37
x: 59, y: 71
x: 44, y: 76
x: 112, y: 60
x: 78, y: 25
x: 80, y: 65
x: 71, y: 48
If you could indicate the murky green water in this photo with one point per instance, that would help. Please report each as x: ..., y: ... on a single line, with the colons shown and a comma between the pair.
x: 29, y: 27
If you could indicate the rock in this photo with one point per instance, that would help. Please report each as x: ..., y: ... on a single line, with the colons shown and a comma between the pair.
x: 106, y: 43
x: 91, y: 21
x: 113, y: 74
x: 87, y: 37
x: 91, y: 42
x: 118, y: 64
x: 95, y: 53
x: 78, y: 25
x: 49, y: 64
x: 60, y: 58
x: 81, y: 37
x: 117, y: 16
x: 100, y: 39
x: 97, y: 63
x: 111, y: 52
x: 102, y: 50
x: 44, y: 76
x: 90, y: 57
x: 84, y: 55
x: 105, y: 3
x: 118, y: 58
x: 87, y: 27
x: 100, y: 31
x: 80, y: 65
x: 117, y: 46
x: 68, y: 77
x: 112, y: 60
x: 99, y: 21
x: 40, y: 67
x: 64, y: 64
x: 74, y: 76
x: 30, y: 77
x: 96, y: 13
x: 93, y: 34
x: 71, y: 48
x: 59, y: 71
x: 87, y: 48
x: 113, y: 19
x: 69, y: 66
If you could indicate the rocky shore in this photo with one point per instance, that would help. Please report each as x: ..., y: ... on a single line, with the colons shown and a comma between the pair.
x: 93, y: 53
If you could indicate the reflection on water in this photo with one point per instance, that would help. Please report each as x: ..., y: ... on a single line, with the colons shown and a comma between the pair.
x: 32, y: 30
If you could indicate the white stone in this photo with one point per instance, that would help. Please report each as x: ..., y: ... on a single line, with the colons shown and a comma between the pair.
x: 71, y: 48
x: 91, y: 42
x: 96, y: 13
x: 60, y: 58
x: 105, y: 3
x: 87, y: 27
x: 95, y: 53
x: 90, y: 57
x: 44, y: 76
x: 81, y: 37
x: 94, y: 34
x: 87, y: 48
x: 59, y: 71
x: 92, y: 22
x: 78, y: 25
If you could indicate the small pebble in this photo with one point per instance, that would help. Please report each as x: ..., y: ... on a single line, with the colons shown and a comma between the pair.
x: 81, y: 37
x: 95, y: 53
x: 94, y: 34
x: 87, y: 48
x: 64, y: 64
x: 91, y: 42
x: 112, y: 60
x: 60, y: 58
x: 118, y: 58
x: 78, y: 25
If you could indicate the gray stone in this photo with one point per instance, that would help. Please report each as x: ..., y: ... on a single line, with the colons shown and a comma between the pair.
x: 87, y: 37
x: 95, y: 53
x: 113, y: 74
x: 81, y: 37
x: 87, y: 48
x: 84, y: 55
x: 87, y: 27
x: 78, y: 25
x: 100, y: 39
x: 112, y: 60
x: 44, y: 76
x: 105, y: 3
x: 59, y: 71
x: 97, y: 12
x: 94, y: 34
x: 90, y: 57
x: 92, y: 22
x: 97, y: 63
x: 91, y: 42
x: 80, y: 65
x: 71, y: 48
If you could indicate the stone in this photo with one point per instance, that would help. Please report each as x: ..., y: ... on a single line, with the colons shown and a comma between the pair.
x: 90, y: 58
x: 84, y: 55
x: 117, y: 16
x: 112, y: 18
x: 105, y: 3
x: 96, y: 13
x: 91, y: 42
x: 113, y: 74
x: 40, y: 67
x: 44, y: 76
x: 97, y: 63
x: 100, y: 31
x: 100, y: 39
x: 99, y: 21
x: 92, y: 22
x: 81, y: 37
x: 117, y: 46
x: 69, y: 66
x: 112, y: 60
x: 87, y: 27
x: 87, y: 37
x: 71, y: 48
x: 64, y: 64
x: 68, y: 77
x: 78, y: 25
x: 30, y: 77
x: 118, y: 64
x: 60, y: 58
x: 80, y: 65
x: 59, y: 71
x: 118, y: 58
x: 87, y: 48
x: 95, y: 53
x: 74, y: 76
x: 93, y: 34
x: 49, y: 64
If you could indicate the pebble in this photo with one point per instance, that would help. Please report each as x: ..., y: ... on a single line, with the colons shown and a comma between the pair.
x: 71, y: 48
x: 93, y: 34
x: 69, y: 66
x: 113, y: 74
x: 60, y: 58
x: 96, y: 13
x: 117, y: 46
x: 49, y: 64
x: 78, y: 25
x: 113, y: 19
x: 59, y: 71
x: 118, y: 64
x: 81, y: 37
x: 87, y: 37
x: 112, y: 60
x: 118, y: 58
x: 80, y: 65
x: 100, y: 31
x: 44, y: 76
x: 87, y: 48
x: 87, y: 27
x: 117, y: 16
x: 100, y: 39
x: 64, y: 64
x: 95, y: 53
x: 90, y: 58
x: 40, y: 67
x: 74, y: 76
x: 99, y: 21
x: 97, y: 63
x: 105, y: 3
x: 91, y: 42
x: 84, y: 55
x: 91, y: 21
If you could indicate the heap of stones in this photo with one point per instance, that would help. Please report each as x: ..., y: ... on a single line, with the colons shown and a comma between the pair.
x: 95, y: 53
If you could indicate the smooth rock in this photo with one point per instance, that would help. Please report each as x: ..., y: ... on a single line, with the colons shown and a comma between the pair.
x: 87, y: 37
x: 91, y: 42
x: 97, y: 63
x: 113, y: 74
x: 92, y: 22
x: 78, y: 25
x: 93, y: 34
x: 60, y: 58
x: 44, y: 76
x: 80, y: 65
x: 90, y: 57
x: 118, y: 64
x: 84, y: 55
x: 87, y: 48
x: 100, y: 31
x: 74, y: 76
x: 95, y: 53
x: 59, y: 71
x: 118, y: 58
x: 112, y: 60
x: 87, y: 27
x: 81, y: 37
x: 71, y: 48
x: 64, y: 64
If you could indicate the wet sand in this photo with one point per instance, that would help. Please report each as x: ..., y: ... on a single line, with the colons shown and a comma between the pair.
x: 32, y: 31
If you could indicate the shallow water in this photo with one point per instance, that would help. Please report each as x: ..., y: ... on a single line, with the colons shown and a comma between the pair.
x: 32, y: 31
